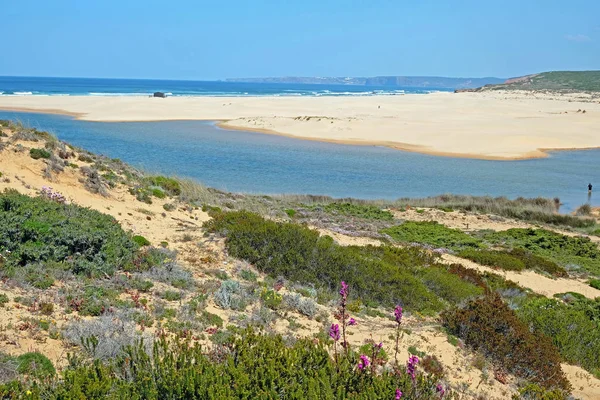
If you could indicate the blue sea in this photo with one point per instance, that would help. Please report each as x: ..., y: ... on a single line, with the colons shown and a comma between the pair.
x: 270, y: 164
x: 33, y: 86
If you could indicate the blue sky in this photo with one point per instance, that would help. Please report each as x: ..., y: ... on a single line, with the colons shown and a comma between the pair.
x: 225, y: 38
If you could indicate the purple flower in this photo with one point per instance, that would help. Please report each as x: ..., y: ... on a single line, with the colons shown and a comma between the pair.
x: 344, y: 290
x: 398, y: 313
x: 352, y: 322
x: 411, y: 366
x: 364, y: 362
x: 334, y: 332
x: 440, y: 389
x: 379, y: 346
x: 398, y: 394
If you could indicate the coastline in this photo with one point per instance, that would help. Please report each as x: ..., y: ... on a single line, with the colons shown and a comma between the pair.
x: 487, y: 126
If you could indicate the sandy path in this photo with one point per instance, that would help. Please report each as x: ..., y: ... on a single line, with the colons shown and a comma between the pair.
x: 477, y: 125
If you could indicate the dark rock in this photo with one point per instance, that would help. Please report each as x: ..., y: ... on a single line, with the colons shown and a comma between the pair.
x: 159, y: 94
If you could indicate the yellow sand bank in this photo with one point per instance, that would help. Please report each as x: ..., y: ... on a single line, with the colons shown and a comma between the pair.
x: 490, y: 125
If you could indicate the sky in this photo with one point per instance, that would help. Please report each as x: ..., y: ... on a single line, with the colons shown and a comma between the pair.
x: 208, y: 40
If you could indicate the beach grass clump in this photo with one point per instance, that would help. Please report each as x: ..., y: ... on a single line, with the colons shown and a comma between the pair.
x: 567, y: 251
x: 573, y: 326
x: 170, y: 186
x: 39, y: 230
x: 301, y: 255
x: 488, y: 325
x: 539, y: 210
x: 432, y: 234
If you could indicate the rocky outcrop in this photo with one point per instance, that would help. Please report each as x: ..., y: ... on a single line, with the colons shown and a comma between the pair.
x: 159, y: 94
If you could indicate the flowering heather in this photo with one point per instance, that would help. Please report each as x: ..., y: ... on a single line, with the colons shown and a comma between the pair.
x: 398, y: 313
x: 364, y: 362
x: 440, y: 389
x: 50, y: 194
x: 344, y: 291
x: 398, y: 394
x: 411, y: 366
x: 334, y: 332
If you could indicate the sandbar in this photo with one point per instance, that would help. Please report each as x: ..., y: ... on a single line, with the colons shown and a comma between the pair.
x: 484, y: 125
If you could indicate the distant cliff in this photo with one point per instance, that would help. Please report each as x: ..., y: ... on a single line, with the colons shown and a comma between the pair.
x: 554, y: 81
x: 382, y: 81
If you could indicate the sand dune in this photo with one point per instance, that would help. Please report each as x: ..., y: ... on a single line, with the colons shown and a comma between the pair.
x: 490, y: 125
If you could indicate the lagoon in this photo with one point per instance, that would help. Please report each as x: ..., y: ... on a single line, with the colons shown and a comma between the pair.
x: 269, y: 164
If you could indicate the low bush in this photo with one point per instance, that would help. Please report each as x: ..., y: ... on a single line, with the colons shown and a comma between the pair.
x: 38, y: 230
x: 248, y: 367
x: 433, y: 234
x: 365, y: 211
x: 574, y: 328
x: 562, y: 249
x: 141, y: 241
x: 488, y: 325
x: 493, y: 258
x: 595, y: 283
x: 448, y: 286
x: 36, y: 154
x: 231, y: 295
x: 170, y: 186
x: 301, y: 255
x: 35, y: 364
x: 3, y: 299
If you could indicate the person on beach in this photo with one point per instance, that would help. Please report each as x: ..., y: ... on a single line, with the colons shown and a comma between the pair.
x: 589, y: 188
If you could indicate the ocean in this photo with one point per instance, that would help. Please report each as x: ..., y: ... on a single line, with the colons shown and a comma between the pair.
x: 270, y: 164
x: 33, y: 86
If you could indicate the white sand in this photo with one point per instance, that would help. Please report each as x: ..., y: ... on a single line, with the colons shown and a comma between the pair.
x: 491, y: 125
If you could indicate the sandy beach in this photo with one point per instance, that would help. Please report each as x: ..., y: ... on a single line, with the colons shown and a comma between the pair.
x: 488, y: 125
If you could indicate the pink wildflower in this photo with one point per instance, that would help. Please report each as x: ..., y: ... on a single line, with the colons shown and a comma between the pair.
x: 398, y: 314
x: 334, y: 332
x: 364, y: 362
x: 411, y: 366
x: 440, y: 389
x: 352, y: 322
x: 344, y: 290
x: 398, y: 394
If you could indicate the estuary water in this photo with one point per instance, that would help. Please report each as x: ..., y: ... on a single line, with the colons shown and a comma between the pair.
x: 259, y: 163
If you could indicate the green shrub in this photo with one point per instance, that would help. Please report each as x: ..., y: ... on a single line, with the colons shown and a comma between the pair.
x: 448, y: 286
x: 271, y: 298
x: 565, y: 250
x: 595, y: 283
x: 365, y: 211
x: 169, y: 185
x: 301, y: 255
x: 290, y: 212
x: 141, y: 241
x: 493, y: 258
x: 3, y: 299
x: 211, y: 319
x: 490, y: 326
x: 171, y: 295
x: 573, y: 328
x: 158, y: 193
x: 253, y: 367
x: 168, y: 206
x: 85, y: 158
x: 36, y: 154
x: 432, y: 233
x: 248, y: 275
x: 37, y: 230
x: 35, y: 364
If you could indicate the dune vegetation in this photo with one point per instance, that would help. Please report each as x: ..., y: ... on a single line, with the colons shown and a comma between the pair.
x: 158, y: 287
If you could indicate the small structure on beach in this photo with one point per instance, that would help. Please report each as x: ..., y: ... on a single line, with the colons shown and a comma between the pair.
x: 159, y: 94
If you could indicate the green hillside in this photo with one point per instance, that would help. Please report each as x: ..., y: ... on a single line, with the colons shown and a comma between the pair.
x: 577, y: 81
